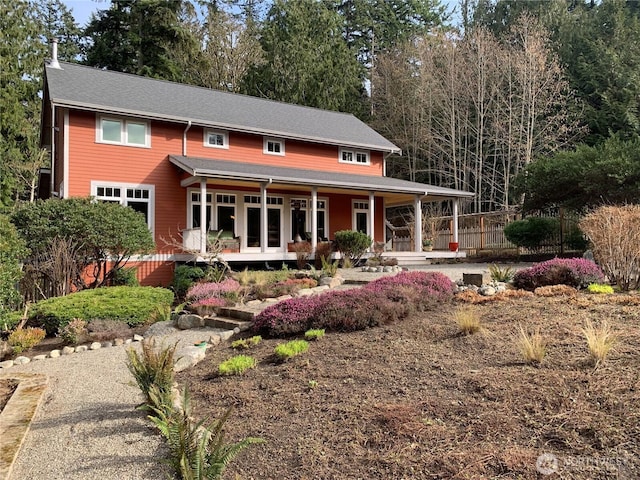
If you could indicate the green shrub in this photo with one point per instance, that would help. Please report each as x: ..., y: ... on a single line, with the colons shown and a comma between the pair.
x: 285, y: 351
x: 131, y: 305
x: 12, y: 253
x: 575, y: 239
x: 22, y: 339
x: 314, y: 334
x: 245, y: 343
x: 125, y: 277
x: 600, y: 288
x: 352, y: 244
x: 532, y: 232
x: 9, y: 321
x: 106, y: 234
x: 236, y: 365
x: 183, y: 277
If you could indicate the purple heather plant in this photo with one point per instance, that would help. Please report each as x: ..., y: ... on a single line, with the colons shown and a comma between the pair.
x: 210, y: 302
x: 383, y: 301
x: 287, y: 317
x: 575, y: 272
x: 201, y: 291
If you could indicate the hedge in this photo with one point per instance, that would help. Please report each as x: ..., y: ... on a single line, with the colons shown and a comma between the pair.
x: 131, y: 305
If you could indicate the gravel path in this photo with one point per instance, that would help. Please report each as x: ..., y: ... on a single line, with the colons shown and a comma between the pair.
x: 87, y: 426
x: 454, y: 271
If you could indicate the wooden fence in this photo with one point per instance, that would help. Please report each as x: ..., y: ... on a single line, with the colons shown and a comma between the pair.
x: 486, y: 232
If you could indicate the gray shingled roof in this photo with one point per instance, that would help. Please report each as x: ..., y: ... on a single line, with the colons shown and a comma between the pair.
x: 295, y: 176
x: 101, y: 90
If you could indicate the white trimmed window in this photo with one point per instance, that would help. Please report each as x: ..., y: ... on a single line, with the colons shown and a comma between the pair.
x: 195, y: 207
x: 139, y: 197
x: 226, y: 212
x: 359, y: 157
x: 273, y: 146
x: 216, y: 139
x: 120, y: 131
x: 361, y: 216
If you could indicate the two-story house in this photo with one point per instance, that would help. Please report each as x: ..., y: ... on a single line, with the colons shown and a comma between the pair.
x: 194, y: 160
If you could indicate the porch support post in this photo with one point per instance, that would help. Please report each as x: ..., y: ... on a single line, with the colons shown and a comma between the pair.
x: 372, y: 216
x: 314, y: 218
x: 417, y: 227
x: 264, y: 229
x: 455, y: 220
x: 203, y: 215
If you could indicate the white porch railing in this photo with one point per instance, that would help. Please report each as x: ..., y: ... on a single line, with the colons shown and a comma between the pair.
x: 191, y: 239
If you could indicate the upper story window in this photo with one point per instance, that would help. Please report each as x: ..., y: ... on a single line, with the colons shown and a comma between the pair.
x: 354, y: 156
x: 120, y: 131
x: 216, y: 139
x: 273, y: 146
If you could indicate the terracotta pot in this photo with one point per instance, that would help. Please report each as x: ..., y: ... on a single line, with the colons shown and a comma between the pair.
x: 453, y: 246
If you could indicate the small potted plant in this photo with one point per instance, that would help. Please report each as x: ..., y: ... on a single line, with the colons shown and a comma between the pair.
x: 427, y: 244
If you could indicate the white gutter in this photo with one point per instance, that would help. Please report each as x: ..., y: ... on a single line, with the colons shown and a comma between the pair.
x: 184, y: 138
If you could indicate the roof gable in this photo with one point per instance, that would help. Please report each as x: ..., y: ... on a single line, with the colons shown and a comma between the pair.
x: 101, y: 90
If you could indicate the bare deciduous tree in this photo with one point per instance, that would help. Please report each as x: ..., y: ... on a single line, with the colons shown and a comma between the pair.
x: 470, y: 112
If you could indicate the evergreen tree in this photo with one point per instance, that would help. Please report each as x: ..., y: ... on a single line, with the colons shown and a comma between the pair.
x: 307, y: 61
x: 56, y: 21
x: 21, y: 63
x: 137, y: 36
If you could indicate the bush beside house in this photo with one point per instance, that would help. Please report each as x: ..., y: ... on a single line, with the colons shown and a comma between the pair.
x: 131, y: 305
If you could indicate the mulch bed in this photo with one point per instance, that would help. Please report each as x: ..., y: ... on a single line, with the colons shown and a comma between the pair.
x: 416, y: 400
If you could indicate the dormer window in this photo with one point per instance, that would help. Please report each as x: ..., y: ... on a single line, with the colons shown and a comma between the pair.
x: 273, y: 146
x: 359, y: 157
x: 216, y: 139
x: 120, y: 131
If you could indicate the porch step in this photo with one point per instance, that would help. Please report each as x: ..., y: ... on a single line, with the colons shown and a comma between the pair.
x: 227, y: 323
x: 235, y: 313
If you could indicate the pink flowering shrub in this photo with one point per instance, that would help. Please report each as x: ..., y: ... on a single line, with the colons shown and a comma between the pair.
x: 200, y: 291
x: 210, y: 302
x: 575, y: 272
x: 383, y: 301
x: 350, y: 310
x: 287, y: 317
x: 431, y: 287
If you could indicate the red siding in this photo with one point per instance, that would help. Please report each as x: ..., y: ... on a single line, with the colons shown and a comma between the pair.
x: 91, y: 161
x: 249, y: 149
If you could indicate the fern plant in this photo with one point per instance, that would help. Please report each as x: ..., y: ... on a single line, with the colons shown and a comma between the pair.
x: 153, y: 366
x: 197, y: 451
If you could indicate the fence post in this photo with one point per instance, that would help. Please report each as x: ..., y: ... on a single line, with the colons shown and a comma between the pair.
x: 561, y: 213
x: 482, y: 232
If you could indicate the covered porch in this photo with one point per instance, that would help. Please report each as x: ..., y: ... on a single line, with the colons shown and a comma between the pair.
x: 263, y: 210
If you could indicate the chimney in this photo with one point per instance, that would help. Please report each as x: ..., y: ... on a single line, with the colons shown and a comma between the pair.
x: 53, y: 63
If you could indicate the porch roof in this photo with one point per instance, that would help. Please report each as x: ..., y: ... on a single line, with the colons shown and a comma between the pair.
x: 240, y: 171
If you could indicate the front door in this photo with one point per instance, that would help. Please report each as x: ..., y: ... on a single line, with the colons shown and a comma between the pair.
x: 274, y: 226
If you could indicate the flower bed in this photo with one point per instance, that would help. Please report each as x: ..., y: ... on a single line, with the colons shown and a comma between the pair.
x: 382, y: 301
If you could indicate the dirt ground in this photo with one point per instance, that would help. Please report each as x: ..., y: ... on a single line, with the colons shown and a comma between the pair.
x: 416, y: 400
